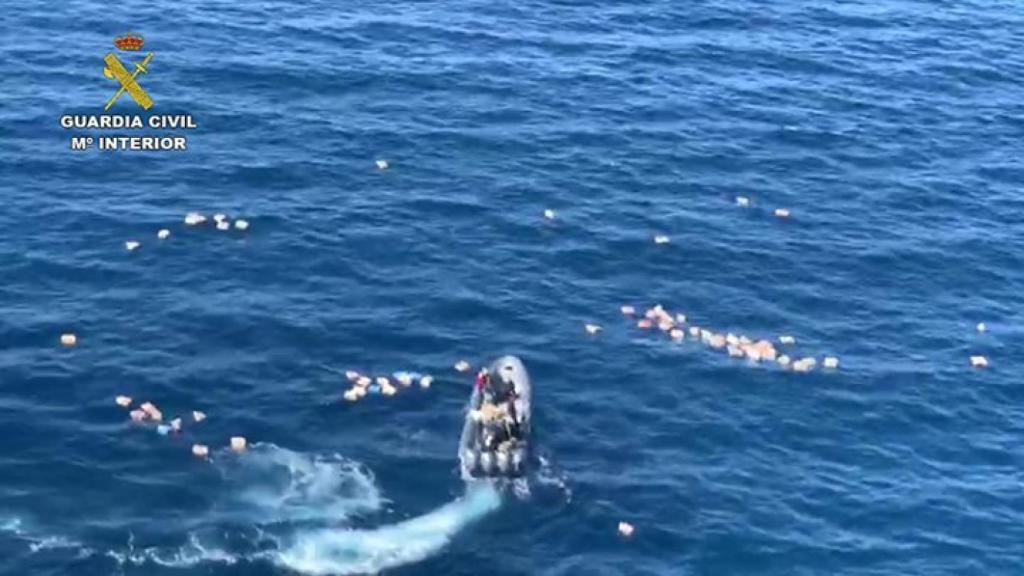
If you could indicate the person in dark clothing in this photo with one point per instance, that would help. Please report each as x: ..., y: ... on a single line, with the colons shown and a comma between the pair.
x: 512, y: 425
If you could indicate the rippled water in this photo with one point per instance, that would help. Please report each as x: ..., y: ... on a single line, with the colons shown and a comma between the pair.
x: 891, y: 131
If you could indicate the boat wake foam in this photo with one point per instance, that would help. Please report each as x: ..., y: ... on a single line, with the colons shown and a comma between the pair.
x: 294, y: 510
x: 370, y: 551
x: 268, y: 485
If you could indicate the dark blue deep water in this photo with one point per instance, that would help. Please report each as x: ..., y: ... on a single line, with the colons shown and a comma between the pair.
x: 890, y: 130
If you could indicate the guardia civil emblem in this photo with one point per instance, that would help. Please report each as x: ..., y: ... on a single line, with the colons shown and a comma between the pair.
x: 118, y: 72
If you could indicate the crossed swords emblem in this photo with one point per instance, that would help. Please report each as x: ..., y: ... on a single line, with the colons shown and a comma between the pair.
x: 118, y: 72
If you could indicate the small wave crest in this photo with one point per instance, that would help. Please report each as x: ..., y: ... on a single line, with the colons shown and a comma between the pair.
x: 37, y: 540
x: 185, y: 556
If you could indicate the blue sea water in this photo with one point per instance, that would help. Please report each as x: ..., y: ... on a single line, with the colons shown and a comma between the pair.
x: 890, y: 130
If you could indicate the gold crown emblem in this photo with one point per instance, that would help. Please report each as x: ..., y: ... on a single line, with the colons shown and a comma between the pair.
x: 129, y: 41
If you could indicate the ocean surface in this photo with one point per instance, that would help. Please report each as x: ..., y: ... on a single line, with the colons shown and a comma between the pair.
x: 891, y: 131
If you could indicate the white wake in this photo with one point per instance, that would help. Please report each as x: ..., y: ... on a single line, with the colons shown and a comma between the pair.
x: 334, y: 551
x: 292, y: 510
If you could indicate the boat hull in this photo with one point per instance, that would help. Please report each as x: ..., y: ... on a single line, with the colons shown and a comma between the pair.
x: 480, y: 453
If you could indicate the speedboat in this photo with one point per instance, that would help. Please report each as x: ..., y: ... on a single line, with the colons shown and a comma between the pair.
x: 496, y: 436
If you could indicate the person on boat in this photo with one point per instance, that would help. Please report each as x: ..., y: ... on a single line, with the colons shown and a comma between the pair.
x: 511, y: 417
x: 483, y: 377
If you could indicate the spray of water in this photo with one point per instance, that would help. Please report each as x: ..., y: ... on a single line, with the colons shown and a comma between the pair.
x: 305, y: 492
x: 370, y: 551
x: 294, y: 510
x: 272, y: 485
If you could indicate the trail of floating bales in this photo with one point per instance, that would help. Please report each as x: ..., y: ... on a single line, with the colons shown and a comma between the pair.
x: 221, y: 222
x: 745, y: 202
x: 148, y: 413
x: 363, y: 385
x: 675, y: 326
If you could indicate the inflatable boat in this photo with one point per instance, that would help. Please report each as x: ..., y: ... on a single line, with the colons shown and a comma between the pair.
x: 496, y: 436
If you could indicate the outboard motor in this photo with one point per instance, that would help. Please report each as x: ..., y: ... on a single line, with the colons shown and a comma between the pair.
x: 503, y: 461
x: 517, y: 459
x: 487, y: 461
x: 469, y: 460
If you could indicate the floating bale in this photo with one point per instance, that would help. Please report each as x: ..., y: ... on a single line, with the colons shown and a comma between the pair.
x: 176, y: 424
x: 760, y: 350
x: 403, y: 378
x: 163, y: 429
x: 782, y: 213
x: 388, y: 390
x: 382, y: 164
x: 592, y: 328
x: 200, y: 450
x: 677, y: 334
x: 549, y: 214
x: 363, y: 381
x: 979, y: 361
x: 194, y: 218
x: 830, y: 362
x: 352, y: 394
x: 783, y: 360
x: 786, y: 339
x: 742, y: 201
x: 68, y: 339
x: 426, y: 381
x: 218, y: 218
x: 223, y: 225
x: 626, y: 529
x: 137, y: 415
x: 716, y: 341
x: 163, y: 234
x: 981, y: 327
x: 644, y: 324
x: 352, y: 375
x: 735, y: 352
x: 198, y: 416
x: 462, y: 366
x: 661, y: 239
x: 131, y: 245
x: 123, y: 401
x: 804, y: 365
x: 241, y: 224
x: 238, y: 443
x: 680, y: 318
x: 695, y: 331
x: 628, y: 310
